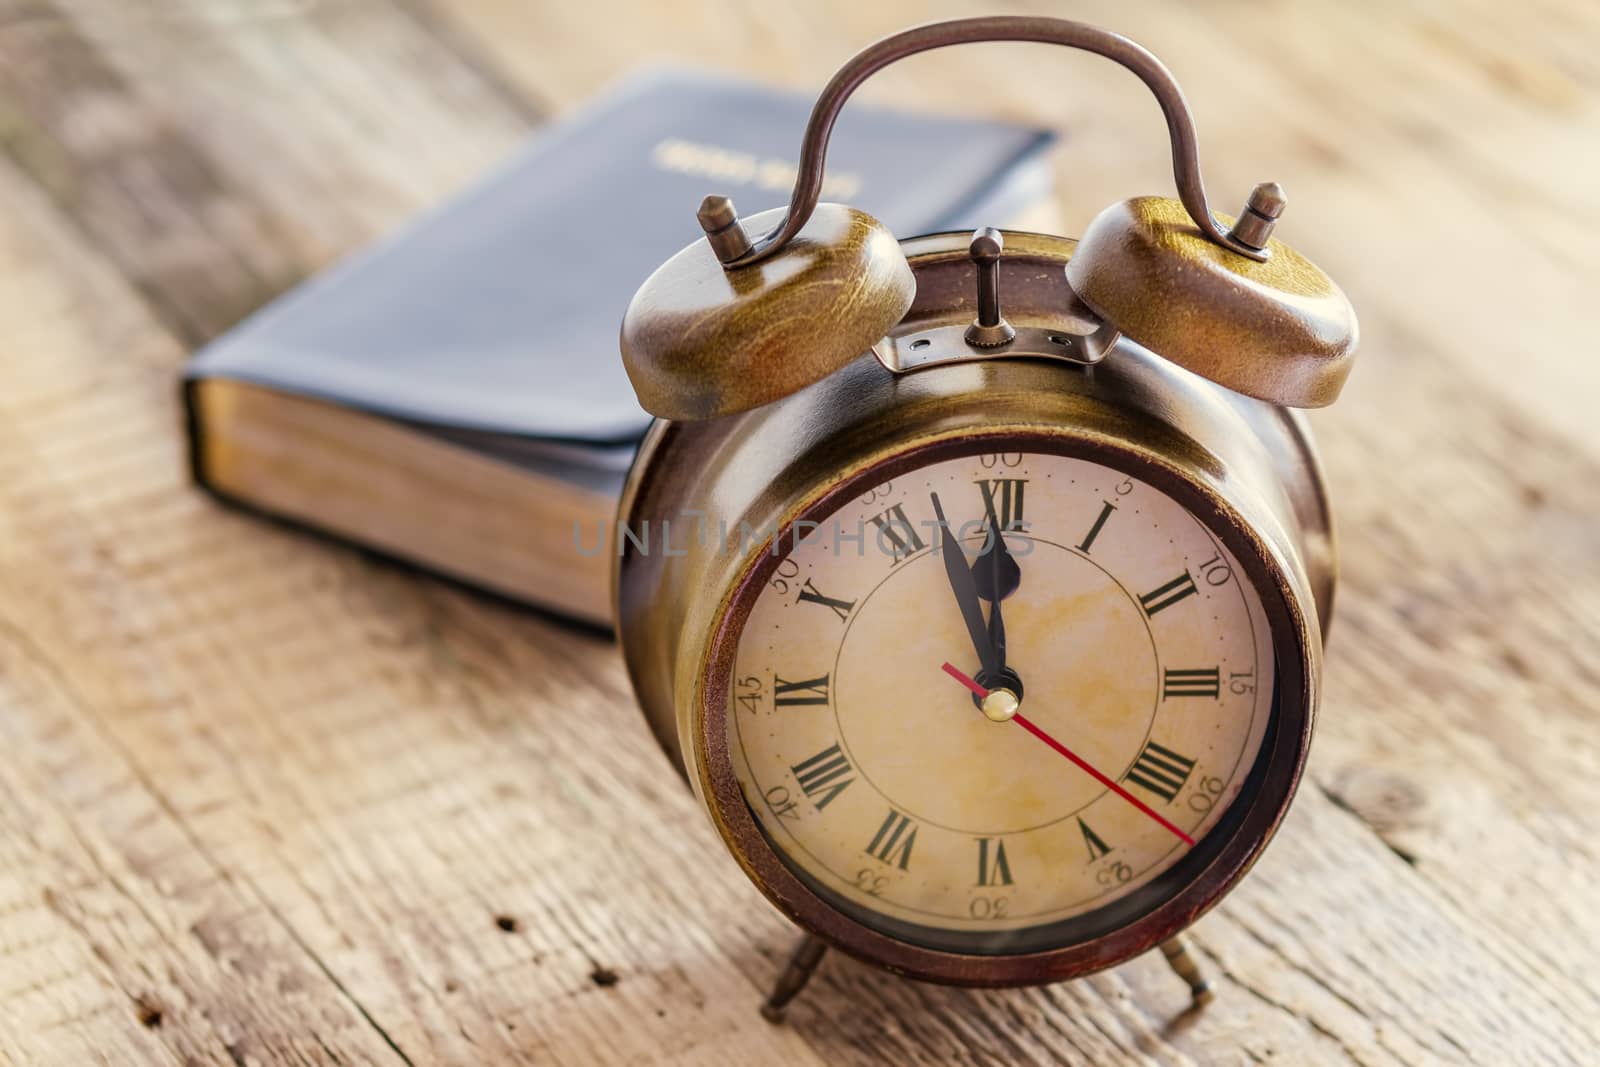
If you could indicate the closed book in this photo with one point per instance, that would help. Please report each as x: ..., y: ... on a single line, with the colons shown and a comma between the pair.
x: 453, y: 398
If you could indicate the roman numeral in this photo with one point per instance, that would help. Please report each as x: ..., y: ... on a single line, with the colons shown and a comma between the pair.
x: 1160, y: 770
x: 892, y: 843
x: 1002, y: 499
x: 827, y: 773
x: 810, y: 595
x: 1099, y: 524
x: 1092, y: 842
x: 810, y: 691
x: 992, y: 866
x: 1196, y: 683
x: 1169, y: 594
x: 896, y: 531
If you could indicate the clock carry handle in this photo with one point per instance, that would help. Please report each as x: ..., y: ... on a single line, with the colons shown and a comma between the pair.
x: 730, y: 323
x: 1248, y: 237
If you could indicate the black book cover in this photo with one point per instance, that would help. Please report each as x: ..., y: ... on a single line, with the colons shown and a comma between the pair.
x: 490, y: 324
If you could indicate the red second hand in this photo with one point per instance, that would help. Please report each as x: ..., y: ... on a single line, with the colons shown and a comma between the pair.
x: 1087, y: 767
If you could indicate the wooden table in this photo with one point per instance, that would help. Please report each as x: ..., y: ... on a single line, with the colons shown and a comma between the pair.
x: 263, y: 800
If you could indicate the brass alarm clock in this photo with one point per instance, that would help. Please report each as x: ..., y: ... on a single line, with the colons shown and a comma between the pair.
x: 978, y: 582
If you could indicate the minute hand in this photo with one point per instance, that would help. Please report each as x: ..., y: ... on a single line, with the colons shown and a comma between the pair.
x: 965, y: 589
x: 998, y: 557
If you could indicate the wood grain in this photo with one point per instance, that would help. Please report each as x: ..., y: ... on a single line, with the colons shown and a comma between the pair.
x: 266, y: 801
x: 220, y: 152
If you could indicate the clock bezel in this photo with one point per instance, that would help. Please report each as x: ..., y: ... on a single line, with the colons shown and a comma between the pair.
x: 1255, y: 814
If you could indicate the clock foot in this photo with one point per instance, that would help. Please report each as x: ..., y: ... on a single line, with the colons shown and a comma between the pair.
x: 802, y: 965
x: 1176, y: 950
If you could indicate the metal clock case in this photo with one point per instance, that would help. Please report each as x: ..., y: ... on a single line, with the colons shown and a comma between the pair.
x: 1244, y: 467
x: 1135, y: 389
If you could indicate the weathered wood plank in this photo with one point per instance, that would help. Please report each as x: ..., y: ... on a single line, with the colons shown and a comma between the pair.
x: 219, y: 153
x: 377, y: 757
x: 310, y: 727
x: 124, y: 935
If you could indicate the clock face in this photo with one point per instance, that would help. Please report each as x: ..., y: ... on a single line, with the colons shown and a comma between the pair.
x: 1013, y: 784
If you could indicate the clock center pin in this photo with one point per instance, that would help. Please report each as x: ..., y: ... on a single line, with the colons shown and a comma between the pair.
x: 1000, y: 705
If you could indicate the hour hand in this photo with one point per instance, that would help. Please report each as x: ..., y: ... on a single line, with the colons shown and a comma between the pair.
x: 995, y: 570
x: 965, y: 589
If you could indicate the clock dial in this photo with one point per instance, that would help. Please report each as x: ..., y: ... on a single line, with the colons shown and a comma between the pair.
x: 947, y: 740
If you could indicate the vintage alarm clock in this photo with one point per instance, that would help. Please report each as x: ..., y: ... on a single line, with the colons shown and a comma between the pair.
x: 978, y: 583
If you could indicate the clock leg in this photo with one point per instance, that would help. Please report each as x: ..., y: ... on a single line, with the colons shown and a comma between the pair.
x: 1176, y: 950
x: 802, y: 965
